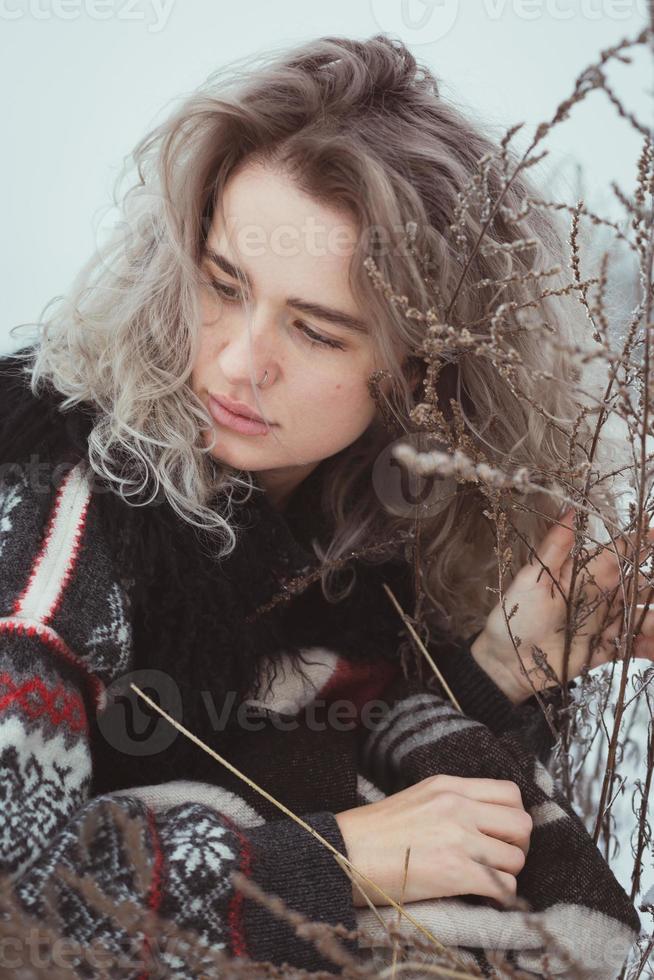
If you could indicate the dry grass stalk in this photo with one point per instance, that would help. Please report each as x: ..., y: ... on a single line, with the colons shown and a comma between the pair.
x: 626, y: 397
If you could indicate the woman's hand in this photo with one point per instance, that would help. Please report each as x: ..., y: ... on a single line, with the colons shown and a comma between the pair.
x: 457, y: 827
x: 541, y: 615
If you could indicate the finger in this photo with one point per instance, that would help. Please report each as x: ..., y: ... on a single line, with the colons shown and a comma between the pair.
x: 605, y: 566
x: 644, y: 647
x: 612, y: 647
x: 615, y: 597
x: 494, y: 853
x: 480, y: 879
x: 617, y: 590
x: 505, y: 823
x: 616, y: 628
x: 503, y: 792
x: 555, y: 547
x: 647, y: 625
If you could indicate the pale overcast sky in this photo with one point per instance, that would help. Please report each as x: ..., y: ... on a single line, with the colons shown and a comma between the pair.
x: 85, y: 79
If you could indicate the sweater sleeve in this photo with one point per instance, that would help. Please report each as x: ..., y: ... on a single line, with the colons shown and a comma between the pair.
x: 534, y: 721
x: 570, y: 889
x: 65, y: 635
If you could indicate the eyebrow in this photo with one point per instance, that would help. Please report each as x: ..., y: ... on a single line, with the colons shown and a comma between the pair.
x: 326, y: 313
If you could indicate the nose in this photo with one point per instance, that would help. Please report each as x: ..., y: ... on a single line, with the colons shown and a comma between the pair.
x: 248, y: 351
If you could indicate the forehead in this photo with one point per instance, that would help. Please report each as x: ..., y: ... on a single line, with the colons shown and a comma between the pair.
x: 263, y: 210
x: 290, y: 249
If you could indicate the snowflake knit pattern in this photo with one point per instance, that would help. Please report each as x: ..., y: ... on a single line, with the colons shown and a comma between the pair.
x: 66, y: 643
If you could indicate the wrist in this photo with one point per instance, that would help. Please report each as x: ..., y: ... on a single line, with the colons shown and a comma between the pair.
x: 348, y: 833
x: 502, y: 676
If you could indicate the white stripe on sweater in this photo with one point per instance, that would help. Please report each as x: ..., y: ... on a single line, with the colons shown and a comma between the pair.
x: 584, y: 934
x: 58, y: 554
x: 162, y: 796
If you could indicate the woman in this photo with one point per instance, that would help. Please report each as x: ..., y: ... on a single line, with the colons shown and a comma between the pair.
x: 236, y: 286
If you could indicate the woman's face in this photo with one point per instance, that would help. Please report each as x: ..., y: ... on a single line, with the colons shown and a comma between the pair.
x: 296, y: 255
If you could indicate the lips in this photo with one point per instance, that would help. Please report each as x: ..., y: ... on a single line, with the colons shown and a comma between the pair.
x: 236, y: 422
x: 237, y: 408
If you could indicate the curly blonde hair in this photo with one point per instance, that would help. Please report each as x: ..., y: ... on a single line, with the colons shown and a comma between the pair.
x: 359, y: 125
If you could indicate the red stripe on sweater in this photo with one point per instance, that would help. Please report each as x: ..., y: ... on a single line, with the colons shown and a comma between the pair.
x: 55, y: 642
x: 155, y: 890
x: 36, y: 699
x: 359, y: 682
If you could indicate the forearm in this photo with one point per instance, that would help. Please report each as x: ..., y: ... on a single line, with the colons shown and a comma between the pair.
x: 485, y: 694
x: 422, y: 735
x: 178, y: 864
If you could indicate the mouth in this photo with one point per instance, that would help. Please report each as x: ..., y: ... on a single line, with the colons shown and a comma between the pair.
x: 237, y: 408
x: 233, y: 420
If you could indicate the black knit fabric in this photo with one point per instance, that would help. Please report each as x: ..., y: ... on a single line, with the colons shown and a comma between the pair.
x: 271, y: 846
x: 93, y: 590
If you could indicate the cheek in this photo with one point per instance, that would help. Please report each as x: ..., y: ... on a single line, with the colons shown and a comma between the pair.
x: 208, y: 305
x: 202, y: 361
x: 347, y: 404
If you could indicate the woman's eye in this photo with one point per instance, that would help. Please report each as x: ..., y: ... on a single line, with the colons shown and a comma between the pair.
x: 316, y: 339
x: 232, y: 295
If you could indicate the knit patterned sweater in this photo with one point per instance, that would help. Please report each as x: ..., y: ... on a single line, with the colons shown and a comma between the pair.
x: 308, y: 699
